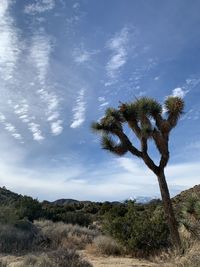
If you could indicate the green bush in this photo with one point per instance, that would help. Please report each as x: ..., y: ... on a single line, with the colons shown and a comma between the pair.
x: 8, y: 215
x: 29, y: 208
x: 140, y: 228
x: 192, y: 206
x: 58, y: 213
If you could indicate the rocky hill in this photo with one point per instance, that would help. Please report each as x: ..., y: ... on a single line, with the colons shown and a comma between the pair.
x: 7, y: 196
x: 184, y: 195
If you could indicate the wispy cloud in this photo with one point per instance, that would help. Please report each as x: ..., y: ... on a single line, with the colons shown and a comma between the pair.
x: 9, y: 127
x: 56, y: 127
x: 36, y: 108
x: 189, y: 84
x: 103, y: 102
x: 76, y: 5
x: 9, y: 42
x: 79, y: 110
x: 118, y: 47
x: 182, y: 91
x: 192, y: 114
x: 82, y: 55
x: 39, y: 6
x: 35, y: 129
x: 21, y: 110
x: 40, y: 53
x: 179, y: 92
x: 126, y: 47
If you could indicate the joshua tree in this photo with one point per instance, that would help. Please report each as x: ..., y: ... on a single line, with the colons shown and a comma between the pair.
x: 144, y: 117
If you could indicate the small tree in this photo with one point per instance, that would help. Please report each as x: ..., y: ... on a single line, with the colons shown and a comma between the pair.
x: 144, y: 117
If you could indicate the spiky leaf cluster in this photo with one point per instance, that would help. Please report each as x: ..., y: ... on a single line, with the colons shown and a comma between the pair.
x: 174, y: 107
x: 109, y: 144
x: 144, y: 117
x: 110, y: 123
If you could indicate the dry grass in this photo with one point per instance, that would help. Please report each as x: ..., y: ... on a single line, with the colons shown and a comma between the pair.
x: 174, y: 258
x: 3, y: 263
x: 40, y: 260
x: 61, y: 235
x: 191, y: 258
x: 58, y: 258
x: 106, y: 245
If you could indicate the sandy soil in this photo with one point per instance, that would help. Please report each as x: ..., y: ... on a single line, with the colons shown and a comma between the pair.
x: 12, y: 261
x: 97, y: 261
x: 100, y: 261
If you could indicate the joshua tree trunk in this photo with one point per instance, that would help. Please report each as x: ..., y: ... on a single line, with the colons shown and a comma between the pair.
x: 172, y: 223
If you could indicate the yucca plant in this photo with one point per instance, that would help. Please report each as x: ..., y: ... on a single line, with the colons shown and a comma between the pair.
x: 145, y: 118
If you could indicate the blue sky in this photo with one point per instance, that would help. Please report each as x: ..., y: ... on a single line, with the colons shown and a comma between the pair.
x: 63, y: 62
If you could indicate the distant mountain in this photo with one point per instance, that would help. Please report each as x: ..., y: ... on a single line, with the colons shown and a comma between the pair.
x: 7, y: 196
x: 64, y: 201
x: 143, y: 199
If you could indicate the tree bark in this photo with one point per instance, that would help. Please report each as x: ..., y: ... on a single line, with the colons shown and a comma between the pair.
x: 168, y: 209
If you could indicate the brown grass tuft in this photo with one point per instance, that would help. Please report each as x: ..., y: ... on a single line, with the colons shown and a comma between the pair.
x: 61, y: 235
x: 107, y: 246
x: 57, y: 258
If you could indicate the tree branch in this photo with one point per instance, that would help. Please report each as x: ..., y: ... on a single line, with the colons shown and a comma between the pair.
x: 164, y: 160
x: 161, y: 141
x: 109, y: 144
x: 135, y: 128
x: 146, y: 158
x: 144, y: 146
x: 125, y: 140
x: 149, y: 162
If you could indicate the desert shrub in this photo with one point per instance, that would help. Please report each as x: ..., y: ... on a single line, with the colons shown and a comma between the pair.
x: 66, y: 235
x: 192, y: 207
x: 20, y: 237
x: 8, y: 214
x: 106, y: 207
x: 3, y: 263
x: 190, y: 216
x: 57, y: 258
x: 79, y: 218
x: 107, y: 245
x: 140, y: 228
x: 91, y: 208
x: 68, y: 258
x: 29, y: 208
x: 66, y: 214
x: 23, y: 208
x: 40, y: 261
